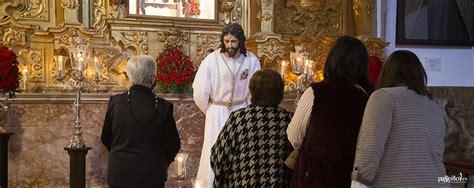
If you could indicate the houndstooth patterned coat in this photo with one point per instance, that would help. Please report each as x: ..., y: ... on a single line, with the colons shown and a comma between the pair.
x: 251, y: 149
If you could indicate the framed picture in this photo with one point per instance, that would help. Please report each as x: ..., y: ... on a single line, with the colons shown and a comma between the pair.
x: 193, y: 10
x: 435, y: 22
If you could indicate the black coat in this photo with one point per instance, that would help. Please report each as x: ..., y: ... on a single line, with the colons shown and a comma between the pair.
x: 141, y: 136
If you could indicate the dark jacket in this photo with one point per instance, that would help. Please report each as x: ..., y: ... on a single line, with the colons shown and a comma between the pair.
x: 140, y: 133
x: 328, y: 150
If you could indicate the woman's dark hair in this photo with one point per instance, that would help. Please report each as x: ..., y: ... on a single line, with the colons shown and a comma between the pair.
x: 266, y: 88
x: 236, y: 30
x: 348, y: 60
x: 403, y: 68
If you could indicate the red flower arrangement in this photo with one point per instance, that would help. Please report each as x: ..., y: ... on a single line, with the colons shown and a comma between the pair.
x: 9, y: 77
x: 193, y: 8
x: 175, y: 70
x: 375, y: 65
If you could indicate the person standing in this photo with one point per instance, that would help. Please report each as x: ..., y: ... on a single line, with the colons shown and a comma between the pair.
x: 220, y: 87
x: 328, y: 117
x: 401, y: 140
x: 139, y: 131
x: 252, y: 147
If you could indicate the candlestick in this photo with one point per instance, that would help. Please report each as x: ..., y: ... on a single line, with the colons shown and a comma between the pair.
x: 25, y: 77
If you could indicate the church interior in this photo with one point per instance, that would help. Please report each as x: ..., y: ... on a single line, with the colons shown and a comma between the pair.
x: 45, y: 119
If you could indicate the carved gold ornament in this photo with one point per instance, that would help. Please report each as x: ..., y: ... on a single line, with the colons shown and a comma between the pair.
x: 34, y: 59
x: 206, y: 44
x: 173, y: 37
x: 267, y: 16
x: 35, y: 10
x: 70, y: 4
x: 136, y: 40
x: 12, y: 37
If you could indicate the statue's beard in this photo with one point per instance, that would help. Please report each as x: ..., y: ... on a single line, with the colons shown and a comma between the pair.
x: 231, y: 51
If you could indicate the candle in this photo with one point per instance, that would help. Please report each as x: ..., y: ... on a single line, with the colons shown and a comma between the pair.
x: 310, y: 70
x: 60, y: 63
x: 96, y: 66
x: 179, y: 158
x: 80, y: 64
x: 306, y: 64
x: 283, y: 69
x: 25, y: 77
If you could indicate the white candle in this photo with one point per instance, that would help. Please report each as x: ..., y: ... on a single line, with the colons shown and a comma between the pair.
x: 310, y: 70
x: 60, y: 63
x: 25, y: 77
x: 96, y: 66
x: 180, y: 166
x: 306, y: 64
x: 283, y: 69
x: 80, y: 64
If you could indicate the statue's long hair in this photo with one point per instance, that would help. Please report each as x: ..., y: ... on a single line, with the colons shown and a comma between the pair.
x: 236, y: 30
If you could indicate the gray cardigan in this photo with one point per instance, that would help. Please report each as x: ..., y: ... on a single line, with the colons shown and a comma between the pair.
x: 400, y: 142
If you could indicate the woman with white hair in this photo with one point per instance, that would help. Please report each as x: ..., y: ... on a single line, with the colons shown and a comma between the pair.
x: 139, y: 130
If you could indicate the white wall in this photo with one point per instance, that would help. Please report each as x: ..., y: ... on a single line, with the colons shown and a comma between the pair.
x: 457, y: 62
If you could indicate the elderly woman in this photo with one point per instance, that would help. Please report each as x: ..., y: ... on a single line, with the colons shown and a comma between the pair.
x: 251, y: 148
x: 139, y: 131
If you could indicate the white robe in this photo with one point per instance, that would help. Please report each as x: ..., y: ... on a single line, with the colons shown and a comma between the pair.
x: 213, y: 80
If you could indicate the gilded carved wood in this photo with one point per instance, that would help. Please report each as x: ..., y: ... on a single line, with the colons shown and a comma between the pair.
x: 11, y: 37
x: 42, y: 29
x: 232, y: 11
x: 34, y: 10
x: 318, y: 48
x: 135, y: 40
x: 99, y: 14
x: 70, y: 4
x: 310, y: 17
x: 365, y: 16
x: 173, y: 37
x: 205, y: 44
x: 269, y: 48
x: 33, y: 59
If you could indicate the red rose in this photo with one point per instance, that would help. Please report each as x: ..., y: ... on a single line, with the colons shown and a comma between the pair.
x: 175, y: 69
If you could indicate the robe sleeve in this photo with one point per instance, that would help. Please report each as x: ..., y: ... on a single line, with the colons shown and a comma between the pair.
x: 202, y: 85
x: 255, y: 68
x: 222, y: 158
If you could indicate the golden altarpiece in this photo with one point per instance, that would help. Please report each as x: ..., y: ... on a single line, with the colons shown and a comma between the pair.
x: 41, y: 31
